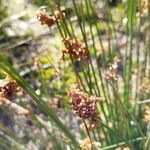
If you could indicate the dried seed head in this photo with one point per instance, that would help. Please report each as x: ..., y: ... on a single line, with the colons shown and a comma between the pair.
x: 76, y: 49
x: 85, y: 106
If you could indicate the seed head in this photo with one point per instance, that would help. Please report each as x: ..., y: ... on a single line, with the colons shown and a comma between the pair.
x: 45, y: 19
x: 8, y: 87
x: 76, y: 49
x: 85, y: 106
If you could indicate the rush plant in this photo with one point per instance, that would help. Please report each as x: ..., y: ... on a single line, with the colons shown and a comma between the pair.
x: 107, y: 49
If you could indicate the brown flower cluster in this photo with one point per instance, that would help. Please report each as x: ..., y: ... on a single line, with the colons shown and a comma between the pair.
x: 45, y: 19
x: 85, y: 106
x: 8, y: 87
x: 113, y: 72
x: 76, y: 49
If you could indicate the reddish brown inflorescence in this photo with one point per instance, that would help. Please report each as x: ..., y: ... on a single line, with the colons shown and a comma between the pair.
x: 85, y: 106
x: 76, y: 49
x: 49, y: 20
x: 8, y: 88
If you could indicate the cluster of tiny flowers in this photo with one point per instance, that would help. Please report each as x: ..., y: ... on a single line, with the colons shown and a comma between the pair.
x: 45, y: 19
x: 7, y: 89
x: 113, y: 72
x: 76, y: 49
x: 85, y: 106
